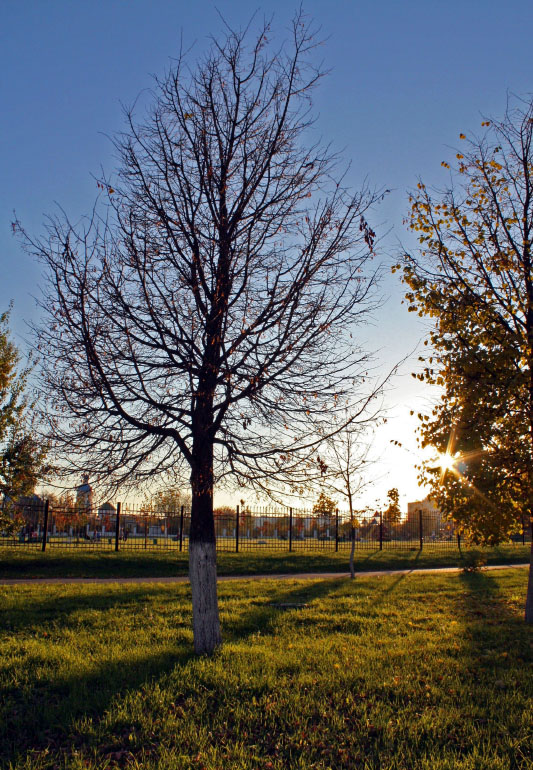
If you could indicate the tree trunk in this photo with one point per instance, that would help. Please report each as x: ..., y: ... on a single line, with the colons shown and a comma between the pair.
x: 352, y: 551
x: 529, y: 596
x: 528, y: 615
x: 352, y: 526
x: 202, y: 557
x: 203, y: 577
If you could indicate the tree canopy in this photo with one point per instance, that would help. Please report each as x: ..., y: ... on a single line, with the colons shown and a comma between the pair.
x: 324, y: 504
x: 473, y: 277
x: 21, y: 456
x: 392, y: 512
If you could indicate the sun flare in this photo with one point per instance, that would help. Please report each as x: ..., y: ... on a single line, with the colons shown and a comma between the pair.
x: 447, y: 461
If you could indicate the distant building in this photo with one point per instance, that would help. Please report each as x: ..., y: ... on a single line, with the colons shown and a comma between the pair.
x: 426, y: 506
x: 84, y: 494
x: 29, y: 503
x: 432, y: 519
x: 107, y: 509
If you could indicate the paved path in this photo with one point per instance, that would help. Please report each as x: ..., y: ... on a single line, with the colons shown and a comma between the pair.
x: 224, y: 578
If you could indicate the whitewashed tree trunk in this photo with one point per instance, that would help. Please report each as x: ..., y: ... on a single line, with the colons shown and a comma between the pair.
x: 203, y: 578
x: 529, y: 596
x: 352, y: 552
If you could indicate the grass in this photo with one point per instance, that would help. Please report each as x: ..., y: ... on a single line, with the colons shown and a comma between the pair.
x: 417, y: 672
x: 32, y: 563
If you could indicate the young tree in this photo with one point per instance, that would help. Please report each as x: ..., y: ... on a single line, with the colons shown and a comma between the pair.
x: 392, y: 512
x: 474, y: 278
x: 324, y: 504
x: 21, y: 457
x: 347, y: 456
x: 206, y: 320
x: 168, y: 500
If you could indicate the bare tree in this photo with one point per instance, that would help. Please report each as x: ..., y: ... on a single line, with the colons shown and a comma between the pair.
x: 346, y: 466
x: 206, y: 319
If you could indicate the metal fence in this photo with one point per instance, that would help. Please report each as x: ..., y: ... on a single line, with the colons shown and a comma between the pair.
x: 130, y: 527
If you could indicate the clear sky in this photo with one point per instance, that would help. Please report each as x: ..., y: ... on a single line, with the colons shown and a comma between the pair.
x: 406, y: 77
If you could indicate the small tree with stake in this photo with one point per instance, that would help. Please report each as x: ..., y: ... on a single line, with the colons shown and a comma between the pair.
x: 347, y: 458
x: 206, y: 320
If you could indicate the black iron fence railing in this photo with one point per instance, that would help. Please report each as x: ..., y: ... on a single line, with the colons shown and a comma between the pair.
x: 127, y: 526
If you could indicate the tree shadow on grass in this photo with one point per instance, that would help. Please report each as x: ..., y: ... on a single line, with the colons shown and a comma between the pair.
x: 40, y: 706
x: 490, y: 618
x: 92, y: 564
x: 495, y: 654
x: 43, y: 715
x: 40, y: 710
x: 281, y: 600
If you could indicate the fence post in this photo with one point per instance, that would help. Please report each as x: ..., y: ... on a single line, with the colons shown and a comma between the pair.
x: 181, y: 528
x: 145, y: 531
x: 523, y: 531
x: 117, y: 527
x: 381, y: 530
x: 45, y: 531
x: 237, y: 530
x: 420, y: 530
x: 336, y: 529
x: 459, y: 541
x: 290, y: 529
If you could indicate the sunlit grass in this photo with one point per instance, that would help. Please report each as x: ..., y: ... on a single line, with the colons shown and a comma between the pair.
x: 31, y: 563
x: 392, y: 672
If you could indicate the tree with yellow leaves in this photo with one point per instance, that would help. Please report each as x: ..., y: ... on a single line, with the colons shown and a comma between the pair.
x: 473, y: 277
x: 392, y: 514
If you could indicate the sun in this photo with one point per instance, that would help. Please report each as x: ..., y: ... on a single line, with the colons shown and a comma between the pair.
x: 447, y: 461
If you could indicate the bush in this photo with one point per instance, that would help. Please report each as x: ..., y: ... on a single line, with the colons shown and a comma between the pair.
x: 474, y: 561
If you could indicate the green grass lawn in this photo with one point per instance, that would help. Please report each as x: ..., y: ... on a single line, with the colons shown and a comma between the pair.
x: 32, y: 563
x: 398, y: 672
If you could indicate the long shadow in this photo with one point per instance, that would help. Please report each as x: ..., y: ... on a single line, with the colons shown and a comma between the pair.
x: 495, y: 654
x: 32, y: 719
x: 377, y: 600
x: 37, y: 612
x: 39, y: 712
x: 40, y: 717
x: 487, y: 613
x: 265, y: 615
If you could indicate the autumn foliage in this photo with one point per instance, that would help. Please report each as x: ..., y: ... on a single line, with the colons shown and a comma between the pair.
x: 473, y: 277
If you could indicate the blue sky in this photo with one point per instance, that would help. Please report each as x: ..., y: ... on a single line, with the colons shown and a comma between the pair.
x: 406, y: 78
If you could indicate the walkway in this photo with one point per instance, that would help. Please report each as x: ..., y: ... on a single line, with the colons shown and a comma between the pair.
x: 225, y: 578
